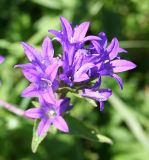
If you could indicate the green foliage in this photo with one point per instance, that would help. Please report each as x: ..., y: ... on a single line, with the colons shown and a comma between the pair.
x: 125, y: 118
x: 36, y: 140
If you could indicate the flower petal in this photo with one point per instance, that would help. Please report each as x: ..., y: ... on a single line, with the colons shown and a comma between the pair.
x: 25, y: 66
x: 61, y: 124
x: 49, y: 96
x: 89, y: 38
x: 118, y: 79
x: 66, y: 27
x: 43, y: 127
x: 51, y: 71
x: 31, y: 75
x: 34, y: 113
x: 64, y: 78
x: 103, y: 40
x: 101, y: 106
x: 83, y: 69
x: 113, y: 48
x: 47, y: 48
x: 30, y: 91
x: 58, y: 34
x: 64, y: 105
x: 122, y: 65
x: 29, y: 51
x: 80, y: 31
x: 82, y: 77
x: 121, y: 50
x: 99, y: 95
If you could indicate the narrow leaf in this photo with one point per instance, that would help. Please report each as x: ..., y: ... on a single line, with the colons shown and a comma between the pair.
x: 77, y: 128
x: 36, y: 104
x: 36, y: 140
x: 130, y: 119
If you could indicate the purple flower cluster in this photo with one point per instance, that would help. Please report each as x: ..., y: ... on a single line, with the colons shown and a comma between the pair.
x: 80, y: 67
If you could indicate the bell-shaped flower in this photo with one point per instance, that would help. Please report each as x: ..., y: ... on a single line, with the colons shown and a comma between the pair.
x: 50, y: 114
x: 109, y: 62
x: 100, y: 95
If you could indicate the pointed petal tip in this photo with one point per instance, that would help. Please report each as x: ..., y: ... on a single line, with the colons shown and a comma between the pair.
x: 23, y: 43
x: 43, y: 127
x: 61, y: 124
x: 16, y: 66
x: 101, y: 106
x: 30, y: 91
x: 122, y: 65
x: 34, y: 113
x: 62, y: 18
x: 47, y: 38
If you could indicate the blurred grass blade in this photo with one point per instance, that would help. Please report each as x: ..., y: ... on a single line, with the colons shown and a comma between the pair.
x: 130, y: 119
x: 25, y: 103
x: 4, y: 43
x: 134, y: 44
x: 56, y: 4
x: 77, y: 128
x: 36, y: 140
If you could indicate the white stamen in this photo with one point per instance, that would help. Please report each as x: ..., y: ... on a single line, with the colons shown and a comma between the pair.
x: 51, y: 113
x: 43, y: 61
x: 48, y: 81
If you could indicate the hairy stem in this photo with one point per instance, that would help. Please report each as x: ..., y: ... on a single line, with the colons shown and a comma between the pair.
x: 12, y: 108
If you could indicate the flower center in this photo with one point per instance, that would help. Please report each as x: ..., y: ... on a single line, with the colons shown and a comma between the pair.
x: 46, y: 82
x: 51, y: 113
x: 43, y: 61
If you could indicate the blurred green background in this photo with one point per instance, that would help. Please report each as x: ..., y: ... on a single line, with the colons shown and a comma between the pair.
x: 126, y: 116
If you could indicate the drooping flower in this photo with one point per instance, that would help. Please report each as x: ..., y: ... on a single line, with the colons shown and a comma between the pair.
x: 50, y: 113
x: 100, y: 95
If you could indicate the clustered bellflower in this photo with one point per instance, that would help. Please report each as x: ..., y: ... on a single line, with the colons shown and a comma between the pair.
x: 80, y: 67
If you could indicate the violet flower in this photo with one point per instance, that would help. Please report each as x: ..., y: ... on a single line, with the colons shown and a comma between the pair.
x: 78, y: 71
x: 68, y: 35
x: 42, y: 70
x: 41, y: 82
x: 50, y: 114
x: 100, y: 95
x: 72, y: 39
x: 109, y: 59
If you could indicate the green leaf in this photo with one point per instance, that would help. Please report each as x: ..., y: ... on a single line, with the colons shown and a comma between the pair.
x: 36, y: 140
x: 130, y: 119
x: 66, y: 90
x: 36, y: 104
x: 56, y: 4
x: 78, y: 128
x: 91, y: 101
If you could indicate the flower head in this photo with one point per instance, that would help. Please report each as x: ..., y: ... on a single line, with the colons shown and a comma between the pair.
x: 108, y: 59
x: 50, y: 114
x: 76, y: 36
x: 42, y: 70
